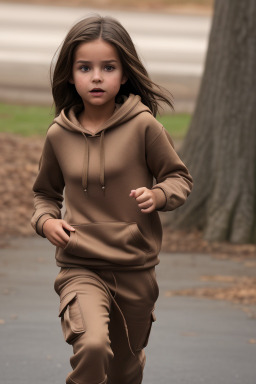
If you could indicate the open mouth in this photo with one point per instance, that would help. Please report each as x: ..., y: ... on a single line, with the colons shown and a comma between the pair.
x: 97, y: 90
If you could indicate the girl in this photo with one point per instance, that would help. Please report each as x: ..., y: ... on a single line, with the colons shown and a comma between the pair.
x: 105, y: 147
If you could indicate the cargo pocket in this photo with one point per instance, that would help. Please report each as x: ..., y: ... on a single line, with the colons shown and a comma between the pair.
x: 139, y: 332
x: 72, y: 322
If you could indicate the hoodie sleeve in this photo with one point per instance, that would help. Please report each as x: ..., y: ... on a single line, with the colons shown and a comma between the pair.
x: 171, y: 175
x: 47, y: 189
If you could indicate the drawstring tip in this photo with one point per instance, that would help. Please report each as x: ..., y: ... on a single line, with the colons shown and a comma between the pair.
x: 103, y: 187
x: 85, y: 190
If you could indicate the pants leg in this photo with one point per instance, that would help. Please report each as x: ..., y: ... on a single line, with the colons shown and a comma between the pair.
x: 135, y: 292
x: 92, y: 315
x: 84, y: 310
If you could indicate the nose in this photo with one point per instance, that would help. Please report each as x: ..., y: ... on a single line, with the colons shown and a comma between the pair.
x: 96, y: 76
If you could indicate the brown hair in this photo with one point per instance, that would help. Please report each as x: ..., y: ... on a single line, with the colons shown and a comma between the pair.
x: 111, y: 31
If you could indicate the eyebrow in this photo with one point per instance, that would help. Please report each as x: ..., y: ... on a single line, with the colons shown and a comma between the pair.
x: 89, y: 62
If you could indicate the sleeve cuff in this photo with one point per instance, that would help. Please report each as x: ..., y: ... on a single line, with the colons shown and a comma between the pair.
x: 162, y: 208
x: 40, y: 223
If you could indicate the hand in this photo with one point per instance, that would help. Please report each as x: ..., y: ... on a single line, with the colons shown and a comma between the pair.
x: 54, y: 231
x: 148, y: 199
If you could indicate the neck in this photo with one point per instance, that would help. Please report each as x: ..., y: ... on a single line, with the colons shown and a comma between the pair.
x: 92, y: 117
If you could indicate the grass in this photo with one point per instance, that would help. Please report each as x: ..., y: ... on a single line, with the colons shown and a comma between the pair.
x: 176, y: 124
x: 25, y: 120
x: 31, y: 120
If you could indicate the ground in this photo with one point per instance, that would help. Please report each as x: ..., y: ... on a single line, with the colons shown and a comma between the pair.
x: 194, y: 340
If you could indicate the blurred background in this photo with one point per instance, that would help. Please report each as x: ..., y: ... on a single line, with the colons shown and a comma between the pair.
x: 171, y: 44
x: 170, y: 36
x: 199, y: 50
x: 203, y: 52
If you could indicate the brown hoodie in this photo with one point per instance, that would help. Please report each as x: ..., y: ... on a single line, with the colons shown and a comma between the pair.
x: 98, y: 172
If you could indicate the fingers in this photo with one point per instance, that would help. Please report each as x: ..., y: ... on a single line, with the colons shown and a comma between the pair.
x: 67, y: 226
x: 148, y: 202
x: 133, y: 193
x: 145, y: 199
x: 148, y: 210
x: 59, y: 241
x: 137, y: 192
x: 62, y: 236
x: 59, y: 238
x: 56, y: 232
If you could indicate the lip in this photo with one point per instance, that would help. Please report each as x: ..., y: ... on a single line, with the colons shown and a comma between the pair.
x: 97, y: 90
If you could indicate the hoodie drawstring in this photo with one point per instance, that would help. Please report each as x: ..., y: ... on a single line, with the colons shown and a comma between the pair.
x: 102, y: 161
x: 86, y: 163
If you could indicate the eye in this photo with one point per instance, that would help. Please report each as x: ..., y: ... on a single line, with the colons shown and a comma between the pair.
x: 84, y: 68
x: 109, y: 68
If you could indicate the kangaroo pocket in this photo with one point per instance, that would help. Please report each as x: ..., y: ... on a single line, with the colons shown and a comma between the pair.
x: 115, y: 242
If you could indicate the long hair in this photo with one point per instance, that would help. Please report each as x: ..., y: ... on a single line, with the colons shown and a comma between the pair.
x: 110, y: 30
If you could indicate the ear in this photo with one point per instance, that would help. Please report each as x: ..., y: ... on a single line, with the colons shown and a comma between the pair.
x: 124, y: 79
x: 71, y: 80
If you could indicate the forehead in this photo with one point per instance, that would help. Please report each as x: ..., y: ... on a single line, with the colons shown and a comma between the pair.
x: 96, y: 50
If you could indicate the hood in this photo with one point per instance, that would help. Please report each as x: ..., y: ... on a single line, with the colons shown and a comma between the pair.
x: 129, y: 108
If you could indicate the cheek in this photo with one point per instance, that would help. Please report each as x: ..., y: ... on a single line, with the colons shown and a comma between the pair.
x: 117, y: 80
x: 80, y: 87
x: 79, y: 81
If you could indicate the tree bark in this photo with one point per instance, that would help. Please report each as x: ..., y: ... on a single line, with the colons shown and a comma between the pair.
x: 220, y: 147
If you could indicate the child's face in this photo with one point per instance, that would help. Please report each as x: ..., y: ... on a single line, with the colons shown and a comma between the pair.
x: 97, y: 73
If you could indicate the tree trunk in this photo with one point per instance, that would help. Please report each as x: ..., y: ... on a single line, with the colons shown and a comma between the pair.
x: 220, y: 147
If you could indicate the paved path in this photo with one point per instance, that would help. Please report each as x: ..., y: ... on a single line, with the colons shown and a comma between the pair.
x: 194, y: 341
x: 172, y: 47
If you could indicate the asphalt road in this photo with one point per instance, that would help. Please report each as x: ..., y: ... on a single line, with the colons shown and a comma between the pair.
x: 193, y: 341
x: 172, y: 48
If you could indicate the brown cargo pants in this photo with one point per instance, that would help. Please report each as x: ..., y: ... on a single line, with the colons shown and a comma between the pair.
x: 106, y: 316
